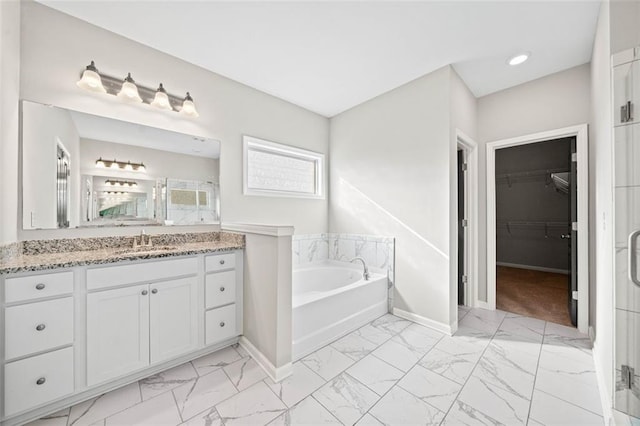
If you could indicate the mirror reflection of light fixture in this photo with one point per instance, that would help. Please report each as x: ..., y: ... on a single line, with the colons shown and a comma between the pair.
x: 91, y: 80
x: 124, y: 165
x: 114, y: 182
x: 129, y: 90
x: 188, y: 107
x: 161, y: 99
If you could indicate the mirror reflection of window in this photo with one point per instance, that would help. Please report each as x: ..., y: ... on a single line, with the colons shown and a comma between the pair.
x: 190, y: 202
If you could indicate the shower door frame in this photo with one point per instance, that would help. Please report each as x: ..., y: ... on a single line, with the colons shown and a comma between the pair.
x: 580, y: 132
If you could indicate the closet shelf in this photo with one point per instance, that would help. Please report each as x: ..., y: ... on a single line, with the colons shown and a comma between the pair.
x: 510, y: 178
x: 541, y: 225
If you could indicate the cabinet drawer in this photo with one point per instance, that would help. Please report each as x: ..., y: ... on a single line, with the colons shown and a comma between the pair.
x: 36, y: 286
x: 140, y: 272
x: 220, y: 289
x: 38, y: 326
x: 220, y: 261
x: 220, y: 324
x: 34, y: 381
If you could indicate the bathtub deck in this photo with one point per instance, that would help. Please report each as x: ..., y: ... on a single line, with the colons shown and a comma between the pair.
x: 498, y: 368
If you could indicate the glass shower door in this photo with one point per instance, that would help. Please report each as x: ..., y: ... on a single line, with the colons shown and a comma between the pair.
x: 627, y: 261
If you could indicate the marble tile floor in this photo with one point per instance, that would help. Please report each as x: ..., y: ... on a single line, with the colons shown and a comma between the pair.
x: 499, y: 368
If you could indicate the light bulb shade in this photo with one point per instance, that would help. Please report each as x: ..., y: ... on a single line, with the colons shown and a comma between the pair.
x: 100, y: 163
x: 161, y: 99
x: 91, y: 80
x: 129, y: 91
x: 188, y: 107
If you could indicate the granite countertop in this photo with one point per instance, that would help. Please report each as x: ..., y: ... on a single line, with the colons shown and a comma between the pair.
x: 52, y: 254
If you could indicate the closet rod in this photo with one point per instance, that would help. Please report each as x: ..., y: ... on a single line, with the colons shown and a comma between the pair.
x: 532, y: 223
x: 530, y: 173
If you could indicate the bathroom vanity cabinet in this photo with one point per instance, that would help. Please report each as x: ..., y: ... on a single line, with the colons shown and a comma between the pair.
x: 74, y: 333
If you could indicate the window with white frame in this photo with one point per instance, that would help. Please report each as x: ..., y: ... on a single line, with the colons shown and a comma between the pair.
x: 273, y: 169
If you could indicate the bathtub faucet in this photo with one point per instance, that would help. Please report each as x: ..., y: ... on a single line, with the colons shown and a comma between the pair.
x: 365, y: 274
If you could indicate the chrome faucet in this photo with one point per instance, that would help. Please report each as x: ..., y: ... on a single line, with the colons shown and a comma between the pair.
x: 365, y: 274
x: 142, y: 243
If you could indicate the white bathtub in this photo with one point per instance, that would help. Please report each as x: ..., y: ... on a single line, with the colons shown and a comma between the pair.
x: 332, y: 299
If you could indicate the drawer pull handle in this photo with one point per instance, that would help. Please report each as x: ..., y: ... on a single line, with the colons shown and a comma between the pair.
x: 154, y: 291
x: 221, y: 323
x: 41, y: 381
x: 221, y: 288
x: 222, y: 261
x: 145, y: 292
x: 40, y: 286
x: 40, y: 327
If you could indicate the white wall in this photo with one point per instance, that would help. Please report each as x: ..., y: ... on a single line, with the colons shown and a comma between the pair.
x: 624, y: 26
x: 43, y: 129
x: 390, y: 175
x: 601, y: 271
x: 55, y: 49
x: 9, y: 88
x: 552, y: 102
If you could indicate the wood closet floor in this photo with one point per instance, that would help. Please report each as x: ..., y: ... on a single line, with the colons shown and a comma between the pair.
x: 542, y: 295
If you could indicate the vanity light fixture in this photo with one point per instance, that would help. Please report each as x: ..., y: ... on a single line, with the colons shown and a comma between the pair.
x: 129, y: 91
x: 188, y: 107
x: 161, y: 99
x: 124, y: 165
x: 91, y: 80
x: 518, y: 59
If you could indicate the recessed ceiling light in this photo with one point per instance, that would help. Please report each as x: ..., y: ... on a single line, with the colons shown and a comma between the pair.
x: 518, y: 59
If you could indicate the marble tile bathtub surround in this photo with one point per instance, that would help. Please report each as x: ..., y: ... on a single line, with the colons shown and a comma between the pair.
x: 377, y: 251
x: 391, y: 371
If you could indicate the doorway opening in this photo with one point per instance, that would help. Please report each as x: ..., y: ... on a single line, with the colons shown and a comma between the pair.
x: 537, y: 212
x: 534, y: 193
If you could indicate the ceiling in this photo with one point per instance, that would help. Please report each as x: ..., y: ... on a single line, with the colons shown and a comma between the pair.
x: 328, y: 56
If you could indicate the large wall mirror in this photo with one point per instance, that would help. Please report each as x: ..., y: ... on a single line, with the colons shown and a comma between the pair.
x: 81, y: 170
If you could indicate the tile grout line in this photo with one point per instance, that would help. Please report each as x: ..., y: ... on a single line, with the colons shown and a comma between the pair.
x: 562, y: 399
x: 474, y: 369
x: 358, y: 381
x: 396, y: 383
x: 535, y: 378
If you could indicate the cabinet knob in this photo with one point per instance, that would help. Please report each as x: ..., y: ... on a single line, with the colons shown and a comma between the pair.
x: 154, y: 291
x: 40, y: 327
x: 40, y: 286
x: 222, y: 261
x: 221, y: 323
x: 145, y: 292
x: 221, y: 288
x: 41, y: 381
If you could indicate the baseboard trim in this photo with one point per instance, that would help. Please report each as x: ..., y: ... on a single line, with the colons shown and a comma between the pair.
x: 605, y: 401
x: 276, y: 374
x: 438, y: 326
x: 534, y: 268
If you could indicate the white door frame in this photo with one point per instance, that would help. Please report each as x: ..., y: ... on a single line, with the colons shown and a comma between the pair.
x: 470, y: 148
x: 581, y: 135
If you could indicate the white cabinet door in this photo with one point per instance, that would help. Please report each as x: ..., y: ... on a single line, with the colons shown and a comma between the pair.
x: 626, y: 93
x: 174, y: 316
x: 117, y: 332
